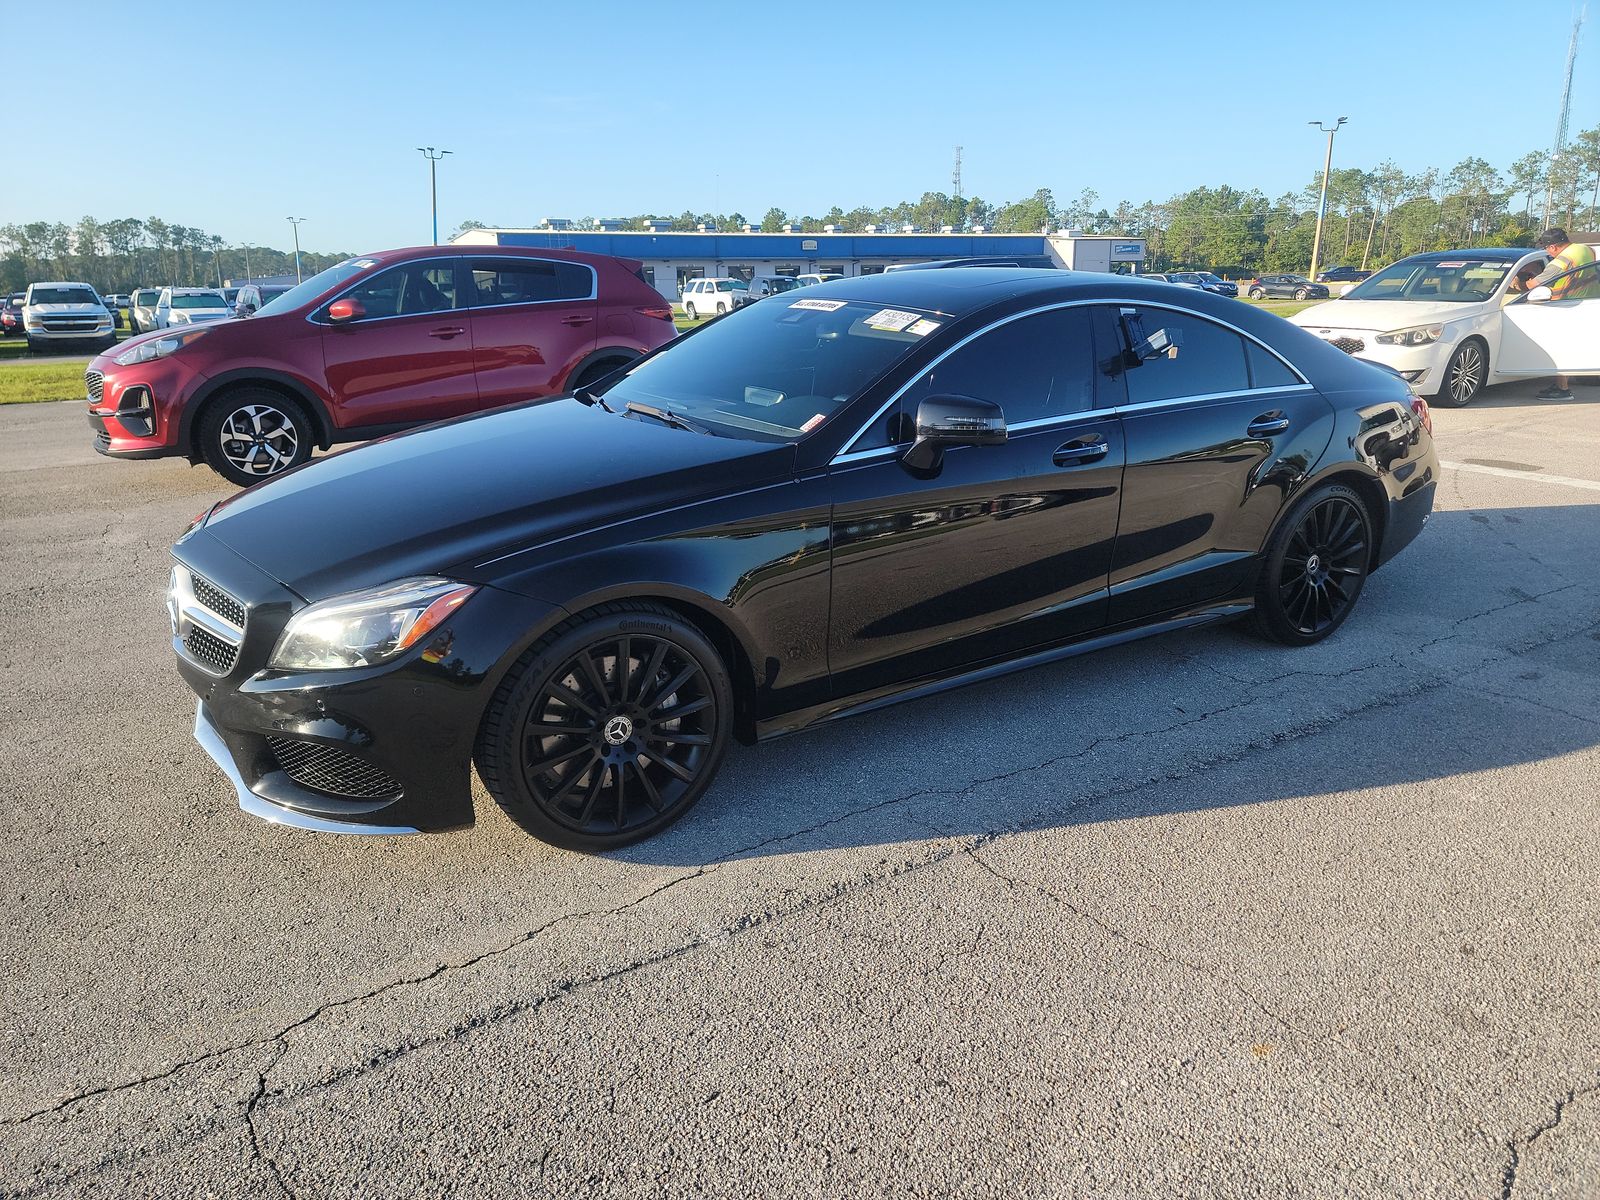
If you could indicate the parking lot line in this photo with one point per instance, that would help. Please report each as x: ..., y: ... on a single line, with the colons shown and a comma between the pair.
x: 1535, y: 476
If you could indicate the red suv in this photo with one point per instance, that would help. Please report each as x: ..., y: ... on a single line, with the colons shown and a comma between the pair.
x: 370, y: 346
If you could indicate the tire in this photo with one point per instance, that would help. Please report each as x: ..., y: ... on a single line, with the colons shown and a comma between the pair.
x: 1257, y: 294
x: 721, y: 309
x: 599, y: 370
x: 688, y: 310
x: 608, y: 799
x: 37, y: 347
x: 1315, y: 567
x: 1301, y: 294
x: 1463, y: 375
x: 272, y: 432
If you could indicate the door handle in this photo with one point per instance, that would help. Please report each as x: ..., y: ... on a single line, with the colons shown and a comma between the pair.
x: 1086, y: 450
x: 576, y: 319
x: 1267, y: 424
x: 446, y: 331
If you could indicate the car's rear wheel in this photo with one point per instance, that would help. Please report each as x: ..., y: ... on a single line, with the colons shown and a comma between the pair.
x: 1463, y: 375
x: 1256, y: 293
x: 721, y: 308
x: 1315, y: 568
x: 252, y: 433
x: 689, y: 309
x: 608, y: 729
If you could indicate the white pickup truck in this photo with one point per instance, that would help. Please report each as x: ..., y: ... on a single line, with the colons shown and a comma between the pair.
x: 64, y: 314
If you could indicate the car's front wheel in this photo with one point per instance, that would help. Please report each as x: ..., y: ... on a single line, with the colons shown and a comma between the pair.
x: 1464, y: 375
x: 1256, y: 293
x: 251, y: 433
x: 1315, y: 567
x: 608, y: 729
x: 1301, y: 294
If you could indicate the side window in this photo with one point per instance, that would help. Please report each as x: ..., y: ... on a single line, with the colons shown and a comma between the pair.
x: 1034, y: 368
x: 407, y: 290
x: 1200, y: 358
x: 529, y: 281
x: 1267, y: 370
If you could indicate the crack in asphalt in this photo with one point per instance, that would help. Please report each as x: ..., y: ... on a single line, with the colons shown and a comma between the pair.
x: 1516, y: 1148
x: 263, y: 1092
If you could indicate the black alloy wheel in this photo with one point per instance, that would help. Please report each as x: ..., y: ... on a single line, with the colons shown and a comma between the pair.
x: 1315, y: 568
x: 251, y: 433
x: 609, y: 729
x: 1464, y: 375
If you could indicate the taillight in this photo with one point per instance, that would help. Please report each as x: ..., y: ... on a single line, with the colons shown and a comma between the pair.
x: 661, y: 312
x: 1420, y: 407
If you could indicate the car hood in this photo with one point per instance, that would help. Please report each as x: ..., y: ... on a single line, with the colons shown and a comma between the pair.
x: 47, y: 310
x: 450, y: 498
x: 1382, y: 315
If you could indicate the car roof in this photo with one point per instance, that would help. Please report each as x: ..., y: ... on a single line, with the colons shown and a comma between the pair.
x: 1502, y: 253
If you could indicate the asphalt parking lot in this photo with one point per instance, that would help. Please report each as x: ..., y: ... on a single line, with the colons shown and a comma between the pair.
x: 1197, y: 916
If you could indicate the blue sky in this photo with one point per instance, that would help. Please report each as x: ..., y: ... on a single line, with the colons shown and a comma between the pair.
x: 572, y: 110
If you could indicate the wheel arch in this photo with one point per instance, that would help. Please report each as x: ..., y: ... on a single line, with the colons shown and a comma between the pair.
x: 619, y: 353
x: 277, y: 381
x: 1365, y: 484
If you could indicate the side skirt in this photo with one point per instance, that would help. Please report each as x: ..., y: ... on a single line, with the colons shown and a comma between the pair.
x: 853, y: 706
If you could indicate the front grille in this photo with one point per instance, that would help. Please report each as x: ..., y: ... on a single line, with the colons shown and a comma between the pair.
x: 332, y: 771
x: 208, y: 648
x: 96, y: 383
x: 1349, y: 345
x: 69, y: 324
x: 217, y: 600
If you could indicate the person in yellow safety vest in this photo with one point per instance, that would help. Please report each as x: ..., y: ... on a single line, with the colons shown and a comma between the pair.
x: 1566, y: 256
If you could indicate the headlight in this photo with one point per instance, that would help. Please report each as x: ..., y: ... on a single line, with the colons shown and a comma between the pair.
x: 1419, y: 336
x: 35, y: 323
x: 158, y: 347
x: 368, y: 627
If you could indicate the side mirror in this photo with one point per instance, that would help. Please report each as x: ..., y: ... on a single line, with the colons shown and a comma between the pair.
x: 953, y: 421
x: 341, y: 311
x: 1540, y: 294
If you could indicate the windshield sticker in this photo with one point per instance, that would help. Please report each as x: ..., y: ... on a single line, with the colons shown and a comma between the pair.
x: 361, y: 264
x: 813, y: 423
x: 923, y: 327
x: 819, y: 305
x: 890, y: 320
x: 1448, y: 266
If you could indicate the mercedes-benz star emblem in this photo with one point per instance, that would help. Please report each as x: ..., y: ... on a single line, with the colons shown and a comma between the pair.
x: 618, y: 730
x: 1313, y: 565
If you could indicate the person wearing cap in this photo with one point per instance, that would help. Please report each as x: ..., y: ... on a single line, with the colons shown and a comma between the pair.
x: 1566, y: 257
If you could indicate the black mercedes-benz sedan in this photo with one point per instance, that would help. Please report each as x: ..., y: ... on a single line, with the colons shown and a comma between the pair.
x: 866, y: 491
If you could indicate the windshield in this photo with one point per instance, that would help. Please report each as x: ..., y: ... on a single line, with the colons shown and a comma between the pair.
x: 145, y: 298
x: 199, y: 300
x: 304, y: 293
x: 62, y: 295
x: 1464, y: 280
x: 781, y: 283
x: 1209, y: 277
x: 777, y: 371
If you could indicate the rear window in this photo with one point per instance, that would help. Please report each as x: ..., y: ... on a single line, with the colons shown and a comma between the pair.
x: 529, y: 281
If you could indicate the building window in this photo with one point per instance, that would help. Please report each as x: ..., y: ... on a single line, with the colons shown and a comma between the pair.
x: 789, y: 269
x: 872, y: 268
x: 742, y: 271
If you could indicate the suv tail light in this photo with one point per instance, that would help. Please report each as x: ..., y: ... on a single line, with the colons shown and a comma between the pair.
x: 1420, y: 407
x: 661, y: 312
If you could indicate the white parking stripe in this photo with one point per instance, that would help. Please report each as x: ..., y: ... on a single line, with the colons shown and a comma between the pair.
x: 1535, y: 476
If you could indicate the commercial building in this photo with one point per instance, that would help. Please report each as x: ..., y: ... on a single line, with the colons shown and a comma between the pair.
x: 671, y: 259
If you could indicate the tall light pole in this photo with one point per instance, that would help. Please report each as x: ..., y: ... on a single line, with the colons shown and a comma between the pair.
x: 433, y: 156
x: 1322, y: 204
x: 247, y: 276
x: 295, y: 222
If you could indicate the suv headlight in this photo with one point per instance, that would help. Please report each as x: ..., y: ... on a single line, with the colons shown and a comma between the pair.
x: 158, y: 347
x: 1420, y: 335
x: 363, y: 628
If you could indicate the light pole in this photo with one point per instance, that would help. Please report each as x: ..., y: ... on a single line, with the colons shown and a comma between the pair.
x: 247, y: 276
x: 433, y: 156
x: 1322, y: 204
x: 295, y: 222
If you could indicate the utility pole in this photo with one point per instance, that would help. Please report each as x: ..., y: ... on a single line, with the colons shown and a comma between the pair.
x: 433, y: 156
x: 1322, y: 204
x: 1566, y: 111
x: 247, y: 276
x: 955, y: 175
x: 295, y: 222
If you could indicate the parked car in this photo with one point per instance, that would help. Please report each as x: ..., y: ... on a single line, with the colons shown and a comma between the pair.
x: 1342, y: 275
x: 885, y: 487
x: 11, y: 315
x: 231, y: 295
x: 252, y: 296
x: 1448, y: 324
x: 61, y: 316
x: 1217, y: 284
x: 712, y: 297
x: 190, y: 306
x: 1296, y: 287
x: 371, y: 345
x: 142, y: 309
x: 763, y: 286
x: 116, y: 302
x: 813, y: 280
x: 1180, y: 278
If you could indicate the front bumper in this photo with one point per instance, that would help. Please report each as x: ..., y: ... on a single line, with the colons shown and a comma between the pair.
x: 1420, y: 366
x: 139, y: 410
x: 411, y: 723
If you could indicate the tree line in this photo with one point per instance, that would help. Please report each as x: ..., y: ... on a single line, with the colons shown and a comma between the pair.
x: 1374, y: 216
x: 120, y: 255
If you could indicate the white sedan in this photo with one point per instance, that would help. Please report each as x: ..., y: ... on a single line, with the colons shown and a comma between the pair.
x: 1446, y: 321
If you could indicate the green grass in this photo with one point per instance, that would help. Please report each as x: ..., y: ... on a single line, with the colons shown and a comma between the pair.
x: 1284, y: 308
x: 33, y: 383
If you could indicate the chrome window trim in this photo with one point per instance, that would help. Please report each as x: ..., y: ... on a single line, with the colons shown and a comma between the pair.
x: 846, y: 455
x: 594, y: 281
x: 340, y: 295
